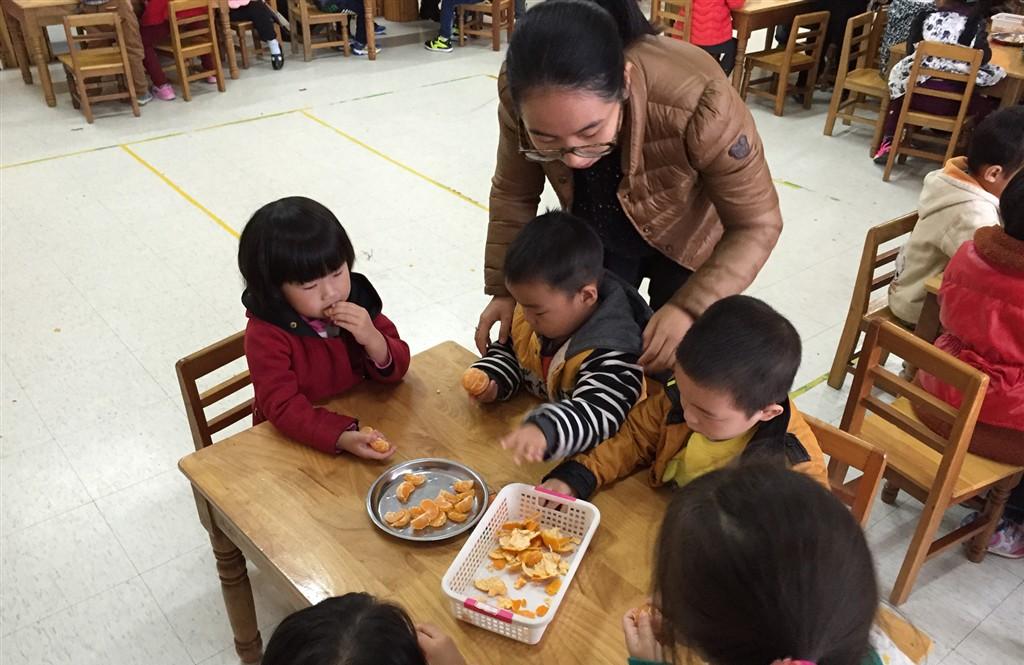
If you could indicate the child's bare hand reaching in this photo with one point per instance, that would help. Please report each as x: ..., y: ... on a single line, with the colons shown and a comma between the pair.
x: 489, y: 395
x: 641, y: 626
x: 358, y: 443
x: 437, y: 648
x: 356, y: 320
x: 527, y: 444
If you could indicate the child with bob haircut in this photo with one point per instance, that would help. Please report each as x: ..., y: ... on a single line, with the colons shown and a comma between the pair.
x: 316, y: 329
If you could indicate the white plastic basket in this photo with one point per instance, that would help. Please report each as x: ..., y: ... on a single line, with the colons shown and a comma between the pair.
x: 572, y: 516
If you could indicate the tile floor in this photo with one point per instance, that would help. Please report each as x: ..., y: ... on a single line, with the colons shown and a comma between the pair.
x: 118, y: 257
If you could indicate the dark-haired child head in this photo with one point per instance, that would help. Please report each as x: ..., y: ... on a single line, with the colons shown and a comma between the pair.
x: 734, y: 366
x: 996, y: 152
x: 553, y: 270
x: 1011, y: 207
x: 295, y: 250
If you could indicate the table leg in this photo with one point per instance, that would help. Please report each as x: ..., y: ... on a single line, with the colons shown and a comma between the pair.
x: 33, y: 35
x: 369, y: 7
x: 1013, y: 93
x: 7, y: 56
x: 225, y: 28
x: 241, y: 608
x: 927, y: 327
x: 742, y: 37
x: 20, y: 52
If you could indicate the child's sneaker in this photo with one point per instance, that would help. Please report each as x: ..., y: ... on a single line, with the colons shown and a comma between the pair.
x: 1008, y: 540
x: 212, y: 80
x: 378, y: 29
x: 882, y: 154
x: 359, y: 48
x: 164, y: 92
x: 144, y: 98
x: 439, y: 44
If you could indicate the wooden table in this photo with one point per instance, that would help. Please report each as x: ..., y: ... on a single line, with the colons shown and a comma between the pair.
x: 28, y: 19
x: 759, y: 15
x: 1009, y: 91
x: 927, y: 327
x: 300, y: 516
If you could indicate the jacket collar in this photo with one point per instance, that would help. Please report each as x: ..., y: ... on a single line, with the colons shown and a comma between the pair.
x: 999, y: 248
x: 282, y: 315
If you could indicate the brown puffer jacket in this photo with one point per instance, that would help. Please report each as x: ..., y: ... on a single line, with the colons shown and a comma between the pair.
x: 695, y: 181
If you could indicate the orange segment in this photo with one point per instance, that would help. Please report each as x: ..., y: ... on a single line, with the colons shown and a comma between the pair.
x: 465, y: 505
x: 421, y: 522
x: 553, y: 587
x: 404, y: 491
x: 456, y: 516
x: 460, y: 486
x: 416, y: 479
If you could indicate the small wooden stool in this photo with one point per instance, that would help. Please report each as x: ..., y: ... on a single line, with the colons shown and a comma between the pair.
x: 502, y: 15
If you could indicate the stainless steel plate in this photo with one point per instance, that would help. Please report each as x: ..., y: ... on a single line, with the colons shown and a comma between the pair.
x: 440, y: 473
x: 1010, y: 38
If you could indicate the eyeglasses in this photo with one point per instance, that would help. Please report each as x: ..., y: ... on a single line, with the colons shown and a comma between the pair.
x: 592, y: 151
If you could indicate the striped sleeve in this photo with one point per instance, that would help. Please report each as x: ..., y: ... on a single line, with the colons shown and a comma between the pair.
x: 607, y: 387
x: 501, y: 364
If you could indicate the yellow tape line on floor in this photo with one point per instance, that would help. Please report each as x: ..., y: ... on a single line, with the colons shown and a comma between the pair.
x: 808, y: 386
x: 181, y: 192
x: 401, y: 165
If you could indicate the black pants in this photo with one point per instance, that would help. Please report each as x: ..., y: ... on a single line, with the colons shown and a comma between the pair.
x: 257, y: 12
x: 725, y: 54
x: 665, y: 274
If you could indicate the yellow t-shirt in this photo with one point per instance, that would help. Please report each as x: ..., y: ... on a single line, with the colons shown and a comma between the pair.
x: 702, y: 455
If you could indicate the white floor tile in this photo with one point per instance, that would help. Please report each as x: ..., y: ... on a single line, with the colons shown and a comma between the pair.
x: 57, y: 563
x: 37, y: 484
x: 122, y: 625
x: 999, y: 639
x: 21, y: 427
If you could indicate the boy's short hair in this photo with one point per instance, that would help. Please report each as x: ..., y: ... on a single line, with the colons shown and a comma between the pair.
x: 742, y: 346
x: 557, y: 249
x: 998, y: 141
x: 1011, y: 207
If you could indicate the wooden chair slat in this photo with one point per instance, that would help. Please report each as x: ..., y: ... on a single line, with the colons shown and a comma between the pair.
x: 802, y: 53
x: 83, y: 67
x: 225, y: 388
x: 195, y: 366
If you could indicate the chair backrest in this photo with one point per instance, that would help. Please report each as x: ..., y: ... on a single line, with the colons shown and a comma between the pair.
x: 201, y: 363
x: 198, y: 24
x: 969, y: 58
x: 857, y: 43
x: 673, y: 17
x: 884, y: 337
x: 807, y: 34
x: 99, y: 33
x: 877, y: 32
x: 874, y: 259
x: 845, y: 450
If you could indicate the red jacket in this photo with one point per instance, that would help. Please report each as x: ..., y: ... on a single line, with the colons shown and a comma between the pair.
x: 712, y: 21
x: 156, y: 12
x: 292, y: 367
x: 982, y: 313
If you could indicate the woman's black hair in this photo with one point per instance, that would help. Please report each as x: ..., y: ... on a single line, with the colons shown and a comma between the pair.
x: 574, y: 45
x: 1011, y: 207
x: 354, y: 629
x: 757, y: 563
x: 294, y: 239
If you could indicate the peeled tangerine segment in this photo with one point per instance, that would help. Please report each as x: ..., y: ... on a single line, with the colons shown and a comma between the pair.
x: 439, y: 521
x: 404, y: 491
x: 456, y: 516
x: 397, y: 519
x: 421, y: 522
x: 460, y: 486
x: 475, y: 381
x: 465, y: 505
x: 416, y: 479
x: 380, y: 445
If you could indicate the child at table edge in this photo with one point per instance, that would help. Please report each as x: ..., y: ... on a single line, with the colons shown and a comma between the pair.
x: 728, y: 400
x: 576, y: 337
x: 315, y: 328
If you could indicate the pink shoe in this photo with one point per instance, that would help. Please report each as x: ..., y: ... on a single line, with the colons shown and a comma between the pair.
x: 212, y: 80
x: 164, y: 92
x: 1008, y: 540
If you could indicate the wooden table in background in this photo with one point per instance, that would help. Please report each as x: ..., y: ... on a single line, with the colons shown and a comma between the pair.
x: 760, y: 15
x: 28, y: 19
x: 927, y: 327
x: 300, y: 517
x: 1009, y: 91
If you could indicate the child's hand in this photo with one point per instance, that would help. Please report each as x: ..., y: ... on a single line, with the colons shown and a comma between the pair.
x: 527, y: 444
x: 358, y: 443
x: 489, y: 395
x: 437, y: 648
x: 641, y: 626
x: 558, y: 486
x: 354, y: 319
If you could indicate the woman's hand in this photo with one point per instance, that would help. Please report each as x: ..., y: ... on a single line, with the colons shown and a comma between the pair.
x: 641, y: 627
x: 500, y: 309
x: 661, y: 337
x: 437, y: 648
x: 358, y: 443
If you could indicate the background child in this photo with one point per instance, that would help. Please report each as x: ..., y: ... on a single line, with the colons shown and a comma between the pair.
x: 729, y: 399
x: 758, y: 565
x: 357, y: 629
x: 154, y: 28
x: 711, y: 29
x: 950, y: 22
x: 955, y: 202
x: 315, y: 329
x: 263, y: 20
x: 576, y: 337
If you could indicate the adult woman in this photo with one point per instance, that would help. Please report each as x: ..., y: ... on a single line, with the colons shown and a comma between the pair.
x: 645, y: 138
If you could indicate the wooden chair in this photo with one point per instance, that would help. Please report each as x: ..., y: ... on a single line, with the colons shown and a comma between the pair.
x: 96, y: 50
x: 201, y: 363
x: 242, y: 29
x: 471, y: 21
x: 673, y: 17
x: 910, y: 121
x: 865, y: 305
x: 303, y: 15
x: 801, y: 54
x: 192, y: 37
x: 858, y: 75
x: 936, y: 470
x: 845, y: 451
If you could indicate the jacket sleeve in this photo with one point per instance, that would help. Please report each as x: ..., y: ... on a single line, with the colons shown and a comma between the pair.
x: 516, y: 189
x: 399, y: 350
x: 501, y: 364
x: 961, y: 230
x: 635, y: 445
x: 726, y: 150
x: 608, y: 385
x: 267, y: 352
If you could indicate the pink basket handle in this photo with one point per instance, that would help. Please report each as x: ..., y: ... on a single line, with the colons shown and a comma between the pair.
x: 544, y: 490
x: 476, y: 606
